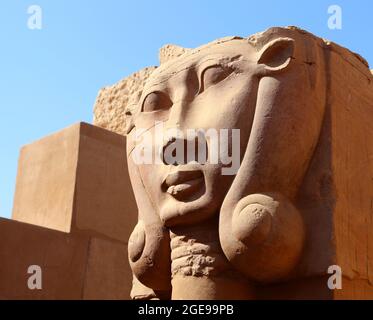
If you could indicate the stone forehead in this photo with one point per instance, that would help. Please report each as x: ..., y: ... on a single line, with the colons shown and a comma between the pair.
x: 224, y: 46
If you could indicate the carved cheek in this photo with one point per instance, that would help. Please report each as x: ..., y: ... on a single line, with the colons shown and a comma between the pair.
x: 148, y: 120
x: 136, y: 243
x: 223, y: 105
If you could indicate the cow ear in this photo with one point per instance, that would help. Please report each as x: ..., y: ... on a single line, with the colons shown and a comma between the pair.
x: 276, y: 55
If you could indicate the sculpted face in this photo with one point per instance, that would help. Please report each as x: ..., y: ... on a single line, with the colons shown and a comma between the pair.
x: 271, y: 89
x: 211, y: 87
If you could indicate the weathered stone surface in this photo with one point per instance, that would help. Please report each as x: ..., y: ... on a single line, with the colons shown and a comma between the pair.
x: 73, y: 265
x: 62, y: 258
x: 74, y: 194
x: 76, y: 179
x: 301, y: 199
x: 107, y: 275
x: 299, y: 202
x: 315, y: 288
x: 112, y: 101
x: 170, y: 51
x: 46, y: 178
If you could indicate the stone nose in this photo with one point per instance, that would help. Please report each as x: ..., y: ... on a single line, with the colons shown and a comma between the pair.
x: 176, y: 115
x: 183, y: 148
x: 182, y: 96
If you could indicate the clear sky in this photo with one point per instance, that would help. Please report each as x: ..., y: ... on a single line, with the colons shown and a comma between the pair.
x: 49, y: 78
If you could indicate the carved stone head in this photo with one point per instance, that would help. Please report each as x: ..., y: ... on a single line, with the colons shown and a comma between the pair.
x: 269, y: 88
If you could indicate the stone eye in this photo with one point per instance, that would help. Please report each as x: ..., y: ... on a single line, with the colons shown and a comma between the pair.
x: 213, y: 75
x: 156, y: 101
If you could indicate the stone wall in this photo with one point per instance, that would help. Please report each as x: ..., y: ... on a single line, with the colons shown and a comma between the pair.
x: 72, y: 216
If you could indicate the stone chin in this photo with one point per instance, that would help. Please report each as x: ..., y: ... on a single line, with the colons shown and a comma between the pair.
x: 201, y: 207
x: 176, y: 213
x: 196, y: 200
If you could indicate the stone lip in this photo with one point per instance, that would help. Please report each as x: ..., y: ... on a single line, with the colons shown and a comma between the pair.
x: 309, y: 147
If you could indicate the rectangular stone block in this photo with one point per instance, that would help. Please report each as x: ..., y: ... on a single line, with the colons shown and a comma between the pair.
x: 73, y: 266
x: 46, y: 177
x: 337, y: 191
x: 73, y: 213
x: 108, y: 274
x: 316, y: 288
x: 76, y: 180
x: 61, y: 257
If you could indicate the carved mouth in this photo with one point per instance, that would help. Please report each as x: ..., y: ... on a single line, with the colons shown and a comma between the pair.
x: 182, y: 184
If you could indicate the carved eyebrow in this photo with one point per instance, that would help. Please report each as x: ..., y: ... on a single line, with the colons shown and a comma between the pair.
x: 211, y: 63
x: 221, y: 61
x: 200, y: 71
x: 199, y: 66
x: 209, y: 59
x: 161, y: 78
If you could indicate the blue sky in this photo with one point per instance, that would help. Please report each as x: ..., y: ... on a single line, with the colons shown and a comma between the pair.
x: 49, y: 78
